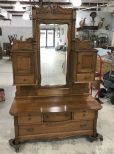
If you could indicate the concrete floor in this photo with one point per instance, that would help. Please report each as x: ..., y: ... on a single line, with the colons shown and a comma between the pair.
x: 6, y: 76
x: 76, y: 145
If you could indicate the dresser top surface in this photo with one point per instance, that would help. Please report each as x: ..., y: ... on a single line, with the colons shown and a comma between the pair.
x: 54, y: 104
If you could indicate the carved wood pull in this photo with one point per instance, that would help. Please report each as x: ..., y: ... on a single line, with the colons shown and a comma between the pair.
x: 84, y: 114
x: 29, y: 118
x: 30, y: 129
x: 83, y: 125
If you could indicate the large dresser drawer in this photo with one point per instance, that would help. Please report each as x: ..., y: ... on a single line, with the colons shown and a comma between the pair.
x: 29, y: 119
x: 84, y: 115
x: 57, y: 117
x: 54, y: 127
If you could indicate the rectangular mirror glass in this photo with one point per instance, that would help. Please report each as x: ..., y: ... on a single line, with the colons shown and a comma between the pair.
x: 53, y: 53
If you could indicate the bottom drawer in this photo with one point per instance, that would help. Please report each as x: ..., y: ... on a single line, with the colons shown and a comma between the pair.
x: 53, y: 127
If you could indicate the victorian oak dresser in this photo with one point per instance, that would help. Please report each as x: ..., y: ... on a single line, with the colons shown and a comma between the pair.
x: 44, y: 112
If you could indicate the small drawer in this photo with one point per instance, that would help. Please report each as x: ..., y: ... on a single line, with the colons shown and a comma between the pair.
x: 84, y: 125
x: 28, y: 130
x: 84, y: 115
x: 57, y: 117
x: 29, y: 119
x: 24, y: 79
x: 85, y: 77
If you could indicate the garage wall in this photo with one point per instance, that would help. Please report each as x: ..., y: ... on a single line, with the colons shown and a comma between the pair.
x: 24, y: 27
x: 16, y: 26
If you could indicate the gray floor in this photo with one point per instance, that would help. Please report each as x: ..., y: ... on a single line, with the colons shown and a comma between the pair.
x: 52, y: 67
x: 69, y: 146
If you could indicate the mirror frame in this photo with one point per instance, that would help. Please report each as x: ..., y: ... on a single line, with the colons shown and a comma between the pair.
x: 54, y: 14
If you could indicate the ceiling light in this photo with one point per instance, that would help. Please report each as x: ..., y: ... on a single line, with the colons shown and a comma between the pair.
x: 76, y: 3
x: 18, y: 6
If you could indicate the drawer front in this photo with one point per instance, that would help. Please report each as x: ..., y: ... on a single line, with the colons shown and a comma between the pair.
x: 57, y: 117
x: 55, y: 127
x: 85, y: 77
x: 24, y: 79
x: 84, y: 115
x: 29, y: 119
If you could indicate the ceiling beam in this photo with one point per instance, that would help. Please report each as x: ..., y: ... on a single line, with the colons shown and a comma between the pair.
x: 86, y: 4
x: 33, y: 2
x: 12, y: 11
x: 93, y: 4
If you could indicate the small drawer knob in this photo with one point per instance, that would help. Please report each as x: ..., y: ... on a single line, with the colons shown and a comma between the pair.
x: 29, y: 118
x: 30, y: 129
x: 83, y: 125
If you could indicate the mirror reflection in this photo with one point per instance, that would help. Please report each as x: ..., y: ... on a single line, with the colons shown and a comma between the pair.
x: 53, y: 53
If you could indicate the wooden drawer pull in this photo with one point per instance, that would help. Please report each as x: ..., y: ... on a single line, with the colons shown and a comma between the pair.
x: 83, y: 125
x: 30, y: 129
x: 29, y: 118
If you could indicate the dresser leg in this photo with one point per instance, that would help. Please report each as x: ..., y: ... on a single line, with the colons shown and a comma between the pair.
x: 15, y: 144
x: 96, y: 138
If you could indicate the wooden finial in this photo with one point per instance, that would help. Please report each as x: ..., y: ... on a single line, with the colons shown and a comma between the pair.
x: 41, y: 2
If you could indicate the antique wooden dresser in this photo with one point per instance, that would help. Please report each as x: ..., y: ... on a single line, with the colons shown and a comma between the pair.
x: 60, y: 111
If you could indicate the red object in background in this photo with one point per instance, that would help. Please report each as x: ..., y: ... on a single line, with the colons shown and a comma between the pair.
x: 2, y: 95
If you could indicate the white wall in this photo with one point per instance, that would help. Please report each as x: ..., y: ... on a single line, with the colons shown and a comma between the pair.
x: 24, y: 27
x: 16, y: 26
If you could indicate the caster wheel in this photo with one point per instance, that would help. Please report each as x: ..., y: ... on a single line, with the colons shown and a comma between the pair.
x: 96, y: 138
x: 14, y: 145
x: 91, y: 139
x: 102, y: 92
x: 100, y: 137
x: 16, y: 149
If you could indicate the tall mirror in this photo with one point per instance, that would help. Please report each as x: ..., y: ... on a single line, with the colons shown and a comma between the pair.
x: 53, y: 53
